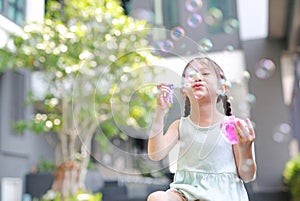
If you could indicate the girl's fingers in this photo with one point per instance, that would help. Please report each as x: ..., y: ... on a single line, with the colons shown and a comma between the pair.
x: 163, y: 96
x: 245, y: 132
x: 250, y: 127
x: 239, y: 130
x: 163, y: 88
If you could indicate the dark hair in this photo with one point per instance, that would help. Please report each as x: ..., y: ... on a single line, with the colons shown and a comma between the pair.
x: 220, y: 74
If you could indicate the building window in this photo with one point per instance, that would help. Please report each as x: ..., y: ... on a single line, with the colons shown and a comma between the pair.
x: 126, y: 4
x: 171, y: 18
x: 224, y: 14
x: 1, y: 6
x: 166, y: 13
x: 18, y: 96
x: 13, y: 10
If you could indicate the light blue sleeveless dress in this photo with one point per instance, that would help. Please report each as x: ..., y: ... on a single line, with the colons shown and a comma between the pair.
x: 206, y: 167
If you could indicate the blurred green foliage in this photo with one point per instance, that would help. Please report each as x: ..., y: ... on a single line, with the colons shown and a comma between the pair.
x: 291, y: 176
x: 91, y: 57
x: 92, y: 63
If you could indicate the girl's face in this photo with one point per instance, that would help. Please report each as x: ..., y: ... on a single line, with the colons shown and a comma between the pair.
x: 201, y: 80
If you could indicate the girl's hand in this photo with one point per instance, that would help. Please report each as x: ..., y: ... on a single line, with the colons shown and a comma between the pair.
x: 163, y: 96
x: 245, y: 133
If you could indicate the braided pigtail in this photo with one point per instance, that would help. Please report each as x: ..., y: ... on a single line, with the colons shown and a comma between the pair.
x: 226, y: 104
x: 187, y: 107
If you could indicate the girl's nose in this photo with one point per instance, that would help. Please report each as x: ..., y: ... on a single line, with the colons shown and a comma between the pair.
x: 198, y: 77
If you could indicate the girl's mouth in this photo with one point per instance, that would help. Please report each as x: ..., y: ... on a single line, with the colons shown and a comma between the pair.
x: 197, y: 85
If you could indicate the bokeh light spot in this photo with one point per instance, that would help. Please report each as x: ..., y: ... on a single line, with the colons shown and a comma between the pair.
x: 265, y: 68
x: 231, y: 25
x: 166, y: 46
x: 282, y: 133
x: 193, y: 5
x: 177, y: 33
x: 205, y: 45
x: 214, y: 17
x: 194, y: 20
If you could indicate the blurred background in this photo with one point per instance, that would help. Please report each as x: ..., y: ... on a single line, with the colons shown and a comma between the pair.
x: 257, y: 43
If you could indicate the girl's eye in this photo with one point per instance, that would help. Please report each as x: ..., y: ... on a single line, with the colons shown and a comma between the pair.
x: 192, y: 75
x: 205, y: 73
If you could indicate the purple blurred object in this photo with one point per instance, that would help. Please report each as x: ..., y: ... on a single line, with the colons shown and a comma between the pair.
x: 228, y: 131
x: 171, y: 87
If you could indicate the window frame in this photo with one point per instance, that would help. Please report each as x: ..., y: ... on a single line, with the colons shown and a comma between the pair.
x: 17, y: 9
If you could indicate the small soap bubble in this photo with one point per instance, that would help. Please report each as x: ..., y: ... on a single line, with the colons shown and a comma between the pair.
x: 198, y: 94
x: 265, y: 68
x: 166, y: 46
x: 246, y: 75
x: 229, y: 48
x: 244, y: 107
x: 285, y: 128
x: 282, y: 132
x: 237, y: 180
x: 142, y: 14
x: 245, y: 168
x: 205, y: 45
x: 192, y: 75
x: 194, y: 20
x: 177, y: 33
x: 220, y: 91
x: 154, y: 90
x: 249, y: 161
x: 183, y: 46
x: 193, y: 5
x: 278, y: 137
x: 186, y: 85
x: 214, y: 17
x: 251, y: 98
x: 107, y: 159
x: 231, y: 25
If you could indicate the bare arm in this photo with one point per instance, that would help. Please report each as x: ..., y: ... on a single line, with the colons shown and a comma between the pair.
x: 244, y: 151
x: 245, y: 161
x: 160, y: 144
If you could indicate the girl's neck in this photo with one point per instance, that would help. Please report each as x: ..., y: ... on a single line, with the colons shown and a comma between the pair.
x: 205, y: 114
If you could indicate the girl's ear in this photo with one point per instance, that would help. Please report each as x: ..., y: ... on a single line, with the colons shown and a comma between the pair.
x: 224, y: 87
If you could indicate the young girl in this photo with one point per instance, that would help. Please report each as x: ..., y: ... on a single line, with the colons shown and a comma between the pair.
x: 208, y: 168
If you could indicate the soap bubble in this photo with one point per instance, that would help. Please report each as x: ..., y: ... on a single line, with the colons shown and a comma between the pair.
x: 143, y: 14
x: 177, y: 33
x: 231, y: 25
x: 193, y: 5
x: 265, y: 68
x: 198, y: 94
x: 166, y: 46
x: 284, y: 128
x: 222, y: 83
x: 251, y: 99
x: 214, y: 17
x: 229, y: 48
x: 246, y: 75
x: 191, y: 75
x: 194, y: 20
x: 205, y: 45
x: 282, y: 132
x: 244, y: 107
